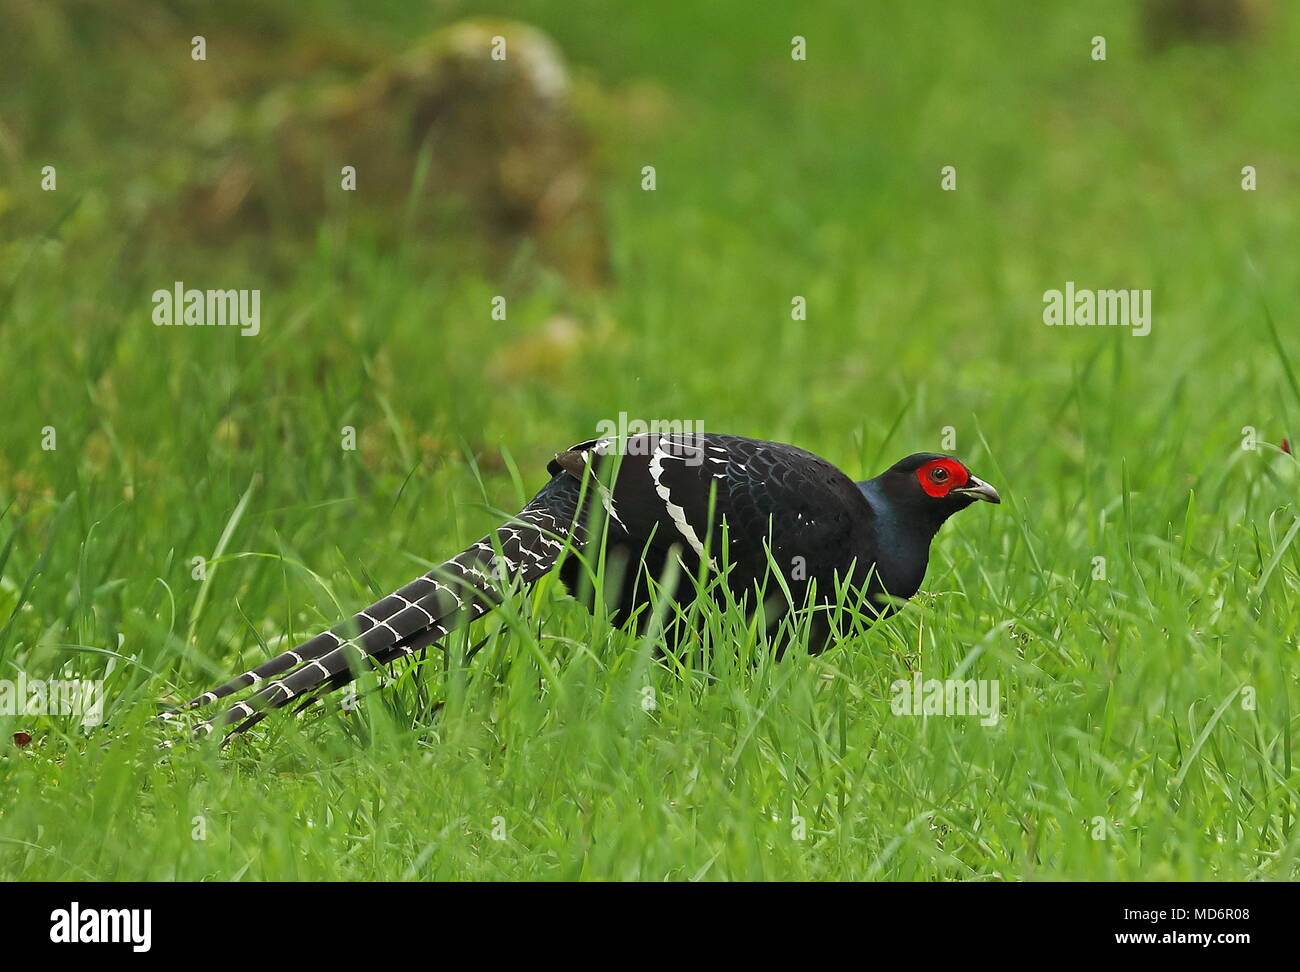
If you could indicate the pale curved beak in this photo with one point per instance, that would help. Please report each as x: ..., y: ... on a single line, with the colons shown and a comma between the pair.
x: 980, y: 490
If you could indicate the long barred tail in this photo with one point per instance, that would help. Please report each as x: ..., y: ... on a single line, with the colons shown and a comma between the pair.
x: 419, y: 614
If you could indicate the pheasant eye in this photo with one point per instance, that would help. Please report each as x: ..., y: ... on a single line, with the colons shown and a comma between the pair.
x: 939, y: 474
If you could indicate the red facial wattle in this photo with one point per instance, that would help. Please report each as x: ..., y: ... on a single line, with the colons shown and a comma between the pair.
x: 939, y: 477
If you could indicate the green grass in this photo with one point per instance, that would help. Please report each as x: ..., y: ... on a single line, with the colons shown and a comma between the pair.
x: 1122, y: 697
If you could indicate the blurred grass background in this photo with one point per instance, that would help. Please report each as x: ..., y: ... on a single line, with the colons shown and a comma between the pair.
x: 775, y: 178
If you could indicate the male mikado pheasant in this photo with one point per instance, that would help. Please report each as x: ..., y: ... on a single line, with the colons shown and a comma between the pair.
x: 743, y: 507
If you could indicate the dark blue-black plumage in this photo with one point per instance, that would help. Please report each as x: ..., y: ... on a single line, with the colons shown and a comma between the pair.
x: 783, y: 528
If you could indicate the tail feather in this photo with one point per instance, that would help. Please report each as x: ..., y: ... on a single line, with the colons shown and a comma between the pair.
x: 424, y: 611
x: 333, y: 669
x: 307, y: 696
x: 399, y: 614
